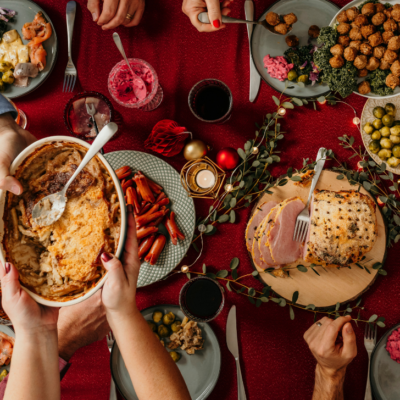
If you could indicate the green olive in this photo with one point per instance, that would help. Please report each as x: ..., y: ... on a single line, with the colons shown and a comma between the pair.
x: 302, y: 78
x: 175, y: 356
x: 393, y: 162
x: 388, y: 120
x: 8, y: 77
x: 374, y: 146
x: 157, y: 316
x: 376, y: 135
x: 395, y: 139
x: 390, y: 109
x: 396, y: 151
x: 386, y: 143
x: 292, y: 75
x: 169, y: 318
x: 377, y: 124
x: 379, y: 112
x: 384, y: 154
x: 176, y: 326
x: 162, y: 331
x: 368, y: 128
x: 385, y: 131
x: 152, y: 325
x: 395, y: 130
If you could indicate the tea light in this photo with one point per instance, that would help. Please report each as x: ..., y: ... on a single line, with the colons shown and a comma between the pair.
x: 205, y: 179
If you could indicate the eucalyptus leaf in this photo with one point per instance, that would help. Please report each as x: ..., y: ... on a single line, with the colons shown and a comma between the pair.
x: 232, y: 203
x: 223, y: 273
x: 211, y: 275
x: 223, y: 218
x: 188, y: 275
x: 234, y: 263
x: 291, y: 312
x: 241, y: 153
x: 251, y: 291
x: 337, y: 306
x: 380, y: 324
x: 204, y: 268
x: 255, y: 273
x: 295, y: 297
x: 302, y: 268
x: 232, y: 217
x: 258, y: 303
x: 282, y: 302
x: 264, y: 299
x: 228, y: 286
x: 276, y: 100
x: 287, y: 105
x: 310, y: 307
x: 372, y: 318
x: 234, y: 274
x: 297, y: 101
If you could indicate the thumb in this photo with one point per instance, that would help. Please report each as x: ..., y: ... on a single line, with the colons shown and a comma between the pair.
x: 349, y: 341
x: 94, y: 7
x: 214, y: 12
x: 113, y: 266
x: 9, y: 281
x: 8, y: 182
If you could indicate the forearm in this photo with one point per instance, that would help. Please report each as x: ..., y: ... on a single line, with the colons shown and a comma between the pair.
x: 35, y: 374
x: 153, y: 372
x: 328, y: 386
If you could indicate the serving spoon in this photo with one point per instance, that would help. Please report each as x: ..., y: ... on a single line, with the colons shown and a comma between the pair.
x: 139, y: 88
x: 203, y: 17
x: 49, y: 209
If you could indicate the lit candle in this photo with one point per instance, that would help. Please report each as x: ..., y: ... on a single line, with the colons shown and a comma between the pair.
x: 205, y: 179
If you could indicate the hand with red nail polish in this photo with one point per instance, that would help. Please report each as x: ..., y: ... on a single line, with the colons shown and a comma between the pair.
x: 13, y: 140
x: 215, y: 9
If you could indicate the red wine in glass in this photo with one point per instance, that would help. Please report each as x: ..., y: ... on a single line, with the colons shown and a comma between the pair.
x: 201, y: 299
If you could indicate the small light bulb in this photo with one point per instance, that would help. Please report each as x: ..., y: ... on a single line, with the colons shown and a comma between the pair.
x: 282, y: 111
x: 255, y: 150
x: 356, y: 120
x: 359, y: 166
x: 185, y: 269
x: 229, y: 188
x: 201, y: 228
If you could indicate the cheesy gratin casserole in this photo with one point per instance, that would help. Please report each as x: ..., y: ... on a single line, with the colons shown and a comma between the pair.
x: 61, y: 262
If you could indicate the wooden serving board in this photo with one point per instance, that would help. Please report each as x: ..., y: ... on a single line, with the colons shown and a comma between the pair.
x: 333, y: 285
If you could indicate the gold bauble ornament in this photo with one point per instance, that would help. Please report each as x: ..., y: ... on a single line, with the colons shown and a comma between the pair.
x: 194, y: 150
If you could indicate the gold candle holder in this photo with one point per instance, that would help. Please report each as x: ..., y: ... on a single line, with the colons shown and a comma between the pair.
x: 190, y: 172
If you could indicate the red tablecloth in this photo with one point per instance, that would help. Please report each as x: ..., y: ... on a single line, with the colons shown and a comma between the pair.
x: 276, y: 363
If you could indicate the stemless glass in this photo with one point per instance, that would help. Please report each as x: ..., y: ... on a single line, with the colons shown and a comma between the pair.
x: 210, y: 101
x: 201, y: 299
x: 154, y: 97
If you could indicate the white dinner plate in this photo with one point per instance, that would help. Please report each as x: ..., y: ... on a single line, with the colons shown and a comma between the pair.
x: 263, y: 42
x: 200, y: 370
x: 26, y: 11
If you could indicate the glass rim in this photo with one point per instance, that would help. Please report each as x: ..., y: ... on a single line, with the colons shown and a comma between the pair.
x: 187, y: 313
x: 195, y: 88
x: 148, y: 98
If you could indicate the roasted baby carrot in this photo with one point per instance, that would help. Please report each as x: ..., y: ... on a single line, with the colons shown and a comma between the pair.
x: 132, y: 199
x: 146, y: 231
x: 145, y: 246
x: 123, y: 172
x: 156, y: 250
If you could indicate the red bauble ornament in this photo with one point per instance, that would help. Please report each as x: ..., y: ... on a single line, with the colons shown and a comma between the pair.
x: 227, y: 158
x: 167, y: 138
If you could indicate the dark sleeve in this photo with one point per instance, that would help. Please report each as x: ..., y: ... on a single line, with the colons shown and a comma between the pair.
x: 5, y: 107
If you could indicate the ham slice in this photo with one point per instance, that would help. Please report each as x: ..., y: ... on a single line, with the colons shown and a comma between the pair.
x: 284, y: 249
x: 260, y: 213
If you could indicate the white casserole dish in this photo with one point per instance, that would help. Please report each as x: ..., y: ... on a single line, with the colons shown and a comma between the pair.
x: 17, y: 162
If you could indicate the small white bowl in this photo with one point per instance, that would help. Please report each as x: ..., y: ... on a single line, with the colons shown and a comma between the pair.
x: 17, y: 162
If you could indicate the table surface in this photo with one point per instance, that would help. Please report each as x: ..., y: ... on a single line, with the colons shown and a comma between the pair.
x: 276, y: 362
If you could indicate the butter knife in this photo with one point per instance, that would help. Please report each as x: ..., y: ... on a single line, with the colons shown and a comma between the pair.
x: 254, y: 76
x: 232, y: 342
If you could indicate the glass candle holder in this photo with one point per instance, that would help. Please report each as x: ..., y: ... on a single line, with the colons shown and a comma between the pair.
x: 201, y: 299
x: 210, y: 100
x: 121, y: 91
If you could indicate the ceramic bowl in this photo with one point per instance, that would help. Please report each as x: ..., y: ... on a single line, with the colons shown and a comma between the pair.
x: 17, y: 162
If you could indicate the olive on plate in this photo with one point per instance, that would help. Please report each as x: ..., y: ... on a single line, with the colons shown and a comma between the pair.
x: 376, y: 135
x: 374, y: 146
x: 169, y: 318
x: 176, y: 326
x: 387, y: 120
x: 157, y: 316
x: 377, y: 124
x: 292, y: 75
x: 390, y: 109
x: 385, y: 131
x: 175, y: 356
x: 302, y: 78
x: 162, y: 331
x: 384, y: 154
x: 368, y: 128
x: 379, y: 112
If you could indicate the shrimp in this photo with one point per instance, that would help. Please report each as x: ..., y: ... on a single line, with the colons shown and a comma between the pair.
x: 38, y: 55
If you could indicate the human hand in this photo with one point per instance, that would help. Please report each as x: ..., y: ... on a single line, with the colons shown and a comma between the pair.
x: 81, y: 325
x: 119, y: 291
x: 215, y: 8
x: 332, y: 357
x: 115, y: 12
x: 26, y: 315
x: 13, y: 140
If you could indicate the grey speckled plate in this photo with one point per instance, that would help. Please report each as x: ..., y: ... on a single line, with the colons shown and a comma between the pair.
x: 166, y: 176
x: 8, y: 331
x: 263, y: 42
x: 200, y: 371
x: 26, y: 11
x: 385, y: 372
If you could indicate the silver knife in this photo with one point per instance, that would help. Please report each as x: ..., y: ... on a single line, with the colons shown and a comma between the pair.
x: 232, y: 342
x: 254, y: 76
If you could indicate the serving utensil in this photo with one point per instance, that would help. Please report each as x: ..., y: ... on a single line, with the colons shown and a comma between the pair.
x: 110, y: 344
x: 255, y: 78
x: 49, y: 209
x: 139, y: 84
x: 91, y: 110
x: 232, y: 343
x: 369, y: 342
x: 303, y: 219
x: 203, y: 17
x: 70, y: 71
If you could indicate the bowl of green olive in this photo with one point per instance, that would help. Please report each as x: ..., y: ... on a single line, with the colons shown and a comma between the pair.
x: 380, y: 131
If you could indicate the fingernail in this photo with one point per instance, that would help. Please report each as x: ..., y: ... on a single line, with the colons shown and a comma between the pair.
x: 130, y: 208
x: 7, y: 266
x: 15, y: 189
x: 106, y: 257
x: 94, y: 15
x: 216, y: 23
x: 349, y: 328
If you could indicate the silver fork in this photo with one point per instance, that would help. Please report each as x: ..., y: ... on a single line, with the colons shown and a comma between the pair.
x: 91, y: 110
x: 369, y: 342
x: 70, y: 72
x: 110, y: 343
x: 303, y: 219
